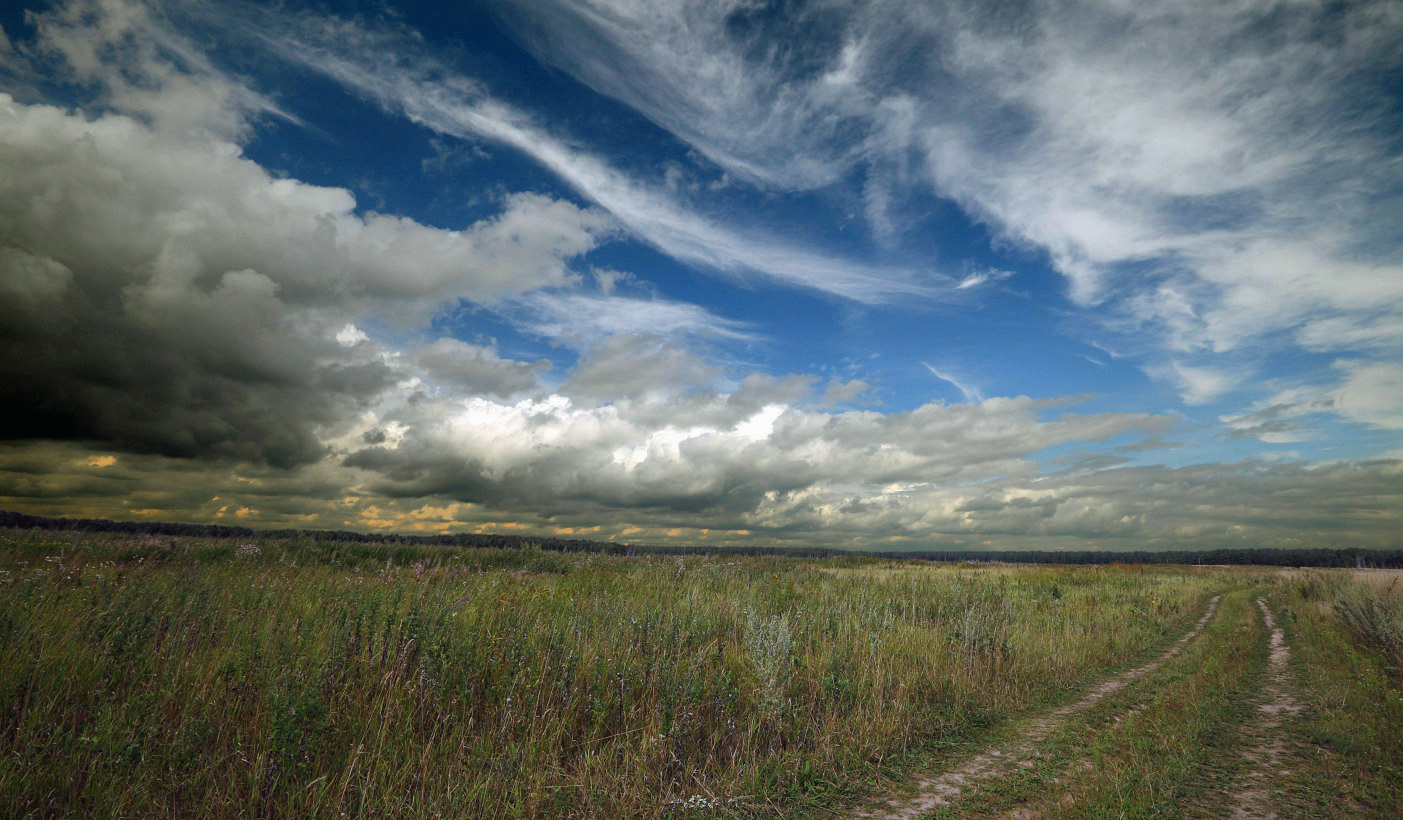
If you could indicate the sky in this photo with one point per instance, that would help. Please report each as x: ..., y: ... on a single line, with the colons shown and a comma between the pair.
x: 872, y: 275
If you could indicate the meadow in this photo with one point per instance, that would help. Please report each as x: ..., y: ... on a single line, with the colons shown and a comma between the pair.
x: 189, y: 677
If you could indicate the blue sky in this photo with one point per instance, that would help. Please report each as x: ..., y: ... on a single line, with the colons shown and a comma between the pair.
x: 871, y: 275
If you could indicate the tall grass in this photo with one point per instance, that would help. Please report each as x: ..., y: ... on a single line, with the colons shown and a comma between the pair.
x: 1339, y: 625
x: 1374, y: 615
x: 283, y: 678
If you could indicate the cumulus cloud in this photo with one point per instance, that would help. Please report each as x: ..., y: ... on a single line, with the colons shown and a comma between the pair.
x: 626, y: 366
x: 478, y: 370
x: 732, y: 454
x: 167, y: 295
x: 841, y: 392
x: 170, y: 296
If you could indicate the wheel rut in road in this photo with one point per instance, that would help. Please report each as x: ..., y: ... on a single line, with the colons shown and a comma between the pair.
x: 934, y: 791
x: 1265, y: 750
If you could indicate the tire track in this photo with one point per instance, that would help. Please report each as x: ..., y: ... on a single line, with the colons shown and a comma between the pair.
x: 1266, y: 751
x: 935, y: 791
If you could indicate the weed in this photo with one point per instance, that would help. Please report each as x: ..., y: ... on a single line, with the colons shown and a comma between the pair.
x: 1374, y: 615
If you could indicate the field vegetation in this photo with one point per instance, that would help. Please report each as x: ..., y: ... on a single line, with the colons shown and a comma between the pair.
x: 193, y: 677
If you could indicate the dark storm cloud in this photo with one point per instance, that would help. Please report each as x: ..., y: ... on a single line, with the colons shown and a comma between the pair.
x: 164, y: 295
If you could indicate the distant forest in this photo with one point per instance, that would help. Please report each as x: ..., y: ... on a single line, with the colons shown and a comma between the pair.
x: 1352, y: 557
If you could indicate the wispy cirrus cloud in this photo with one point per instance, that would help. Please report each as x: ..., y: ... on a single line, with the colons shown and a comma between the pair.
x: 582, y: 317
x: 392, y: 68
x: 1207, y: 176
x: 968, y: 390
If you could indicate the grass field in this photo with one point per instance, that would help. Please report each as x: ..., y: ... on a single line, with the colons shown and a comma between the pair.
x: 200, y: 678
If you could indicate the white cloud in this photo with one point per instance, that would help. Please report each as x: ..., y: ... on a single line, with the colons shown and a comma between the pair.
x: 629, y: 365
x: 1200, y: 385
x: 723, y: 452
x: 840, y: 392
x: 390, y: 68
x: 349, y: 335
x: 1212, y: 173
x: 1382, y: 333
x: 969, y: 391
x: 1364, y: 392
x: 976, y: 279
x: 145, y: 68
x: 1275, y: 422
x: 584, y: 317
x: 1372, y: 393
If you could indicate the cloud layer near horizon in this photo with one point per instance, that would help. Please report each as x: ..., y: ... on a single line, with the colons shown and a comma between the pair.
x: 187, y: 334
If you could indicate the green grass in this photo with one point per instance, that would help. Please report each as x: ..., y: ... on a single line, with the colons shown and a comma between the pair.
x: 1146, y: 750
x: 1171, y: 744
x: 143, y: 678
x: 1166, y: 758
x: 198, y: 678
x: 1348, y: 745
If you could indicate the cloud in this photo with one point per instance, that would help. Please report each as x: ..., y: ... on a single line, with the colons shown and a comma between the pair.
x: 626, y: 366
x: 1365, y: 392
x: 1380, y: 332
x: 184, y: 335
x: 969, y: 391
x: 477, y: 370
x: 974, y: 280
x: 730, y: 457
x: 585, y: 317
x: 1206, y: 176
x: 702, y: 70
x: 1372, y: 393
x: 841, y: 392
x: 1199, y: 385
x: 166, y: 295
x: 1245, y: 505
x: 1278, y: 421
x: 1252, y: 504
x: 391, y: 68
x: 142, y: 66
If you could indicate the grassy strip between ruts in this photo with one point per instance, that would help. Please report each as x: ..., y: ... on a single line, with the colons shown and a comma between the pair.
x: 1156, y: 748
